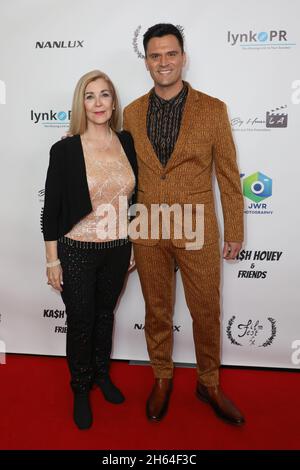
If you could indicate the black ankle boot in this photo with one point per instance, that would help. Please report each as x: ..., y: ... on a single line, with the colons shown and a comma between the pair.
x: 82, y: 411
x: 110, y: 392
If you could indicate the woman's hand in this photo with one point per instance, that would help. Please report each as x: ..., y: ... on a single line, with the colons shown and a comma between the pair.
x: 55, y: 277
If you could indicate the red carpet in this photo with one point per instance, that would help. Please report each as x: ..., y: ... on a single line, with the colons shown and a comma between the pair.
x: 36, y: 410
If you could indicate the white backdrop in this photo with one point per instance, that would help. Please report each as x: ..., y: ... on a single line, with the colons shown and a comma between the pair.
x: 246, y: 54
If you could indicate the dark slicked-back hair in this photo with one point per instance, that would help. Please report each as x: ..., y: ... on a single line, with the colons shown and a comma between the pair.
x: 160, y: 30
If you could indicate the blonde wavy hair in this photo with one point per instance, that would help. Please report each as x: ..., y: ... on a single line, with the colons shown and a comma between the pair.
x: 78, y: 122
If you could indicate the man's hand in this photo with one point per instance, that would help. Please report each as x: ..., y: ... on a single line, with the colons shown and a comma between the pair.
x: 231, y: 249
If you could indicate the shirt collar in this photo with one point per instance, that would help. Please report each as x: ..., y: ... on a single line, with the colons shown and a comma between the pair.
x: 160, y: 102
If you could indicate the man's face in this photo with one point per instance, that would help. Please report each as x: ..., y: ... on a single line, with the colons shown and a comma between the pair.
x: 165, y: 60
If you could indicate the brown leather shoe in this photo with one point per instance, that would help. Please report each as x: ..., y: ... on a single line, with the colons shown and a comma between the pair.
x: 157, y: 404
x: 222, y: 406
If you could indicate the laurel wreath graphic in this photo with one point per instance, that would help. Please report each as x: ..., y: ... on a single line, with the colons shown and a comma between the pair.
x: 269, y: 341
x: 228, y: 331
x: 136, y: 35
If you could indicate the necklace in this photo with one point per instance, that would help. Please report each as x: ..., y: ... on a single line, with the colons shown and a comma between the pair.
x: 101, y: 149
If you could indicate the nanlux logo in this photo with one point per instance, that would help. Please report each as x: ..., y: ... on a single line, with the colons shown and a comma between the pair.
x: 58, y: 44
x: 140, y: 326
x: 263, y: 37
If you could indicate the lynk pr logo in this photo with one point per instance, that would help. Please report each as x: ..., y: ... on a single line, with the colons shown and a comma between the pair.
x: 51, y: 118
x: 251, y: 37
x: 273, y: 39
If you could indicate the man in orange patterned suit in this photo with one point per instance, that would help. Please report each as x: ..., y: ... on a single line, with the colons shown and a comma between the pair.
x: 179, y: 135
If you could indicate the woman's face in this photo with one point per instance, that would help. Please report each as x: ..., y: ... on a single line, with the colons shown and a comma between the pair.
x: 98, y: 102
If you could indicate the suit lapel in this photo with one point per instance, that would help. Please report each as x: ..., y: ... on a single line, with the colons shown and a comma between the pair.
x: 186, y: 123
x: 148, y: 154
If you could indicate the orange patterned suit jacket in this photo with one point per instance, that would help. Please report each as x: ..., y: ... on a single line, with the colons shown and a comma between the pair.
x: 204, y: 142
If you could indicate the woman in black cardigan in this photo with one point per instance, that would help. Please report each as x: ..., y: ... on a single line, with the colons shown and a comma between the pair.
x: 91, y: 177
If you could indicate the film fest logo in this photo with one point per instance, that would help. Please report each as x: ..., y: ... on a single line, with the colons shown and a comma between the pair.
x: 51, y: 118
x: 59, y: 44
x: 273, y: 39
x: 256, y: 258
x: 56, y: 314
x: 137, y: 40
x: 276, y: 118
x: 256, y: 188
x: 2, y: 92
x: 251, y: 332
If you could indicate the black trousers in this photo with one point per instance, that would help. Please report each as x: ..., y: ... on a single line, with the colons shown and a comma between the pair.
x: 92, y: 282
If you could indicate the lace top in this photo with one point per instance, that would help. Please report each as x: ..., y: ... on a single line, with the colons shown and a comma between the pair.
x: 111, y: 182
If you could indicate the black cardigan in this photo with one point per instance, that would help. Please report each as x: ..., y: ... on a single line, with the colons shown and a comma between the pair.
x: 67, y: 197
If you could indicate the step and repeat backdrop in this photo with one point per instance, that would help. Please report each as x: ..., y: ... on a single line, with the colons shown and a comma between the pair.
x: 246, y: 54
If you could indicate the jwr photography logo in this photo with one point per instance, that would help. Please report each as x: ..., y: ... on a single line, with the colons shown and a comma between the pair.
x: 257, y: 187
x: 252, y: 332
x: 137, y: 40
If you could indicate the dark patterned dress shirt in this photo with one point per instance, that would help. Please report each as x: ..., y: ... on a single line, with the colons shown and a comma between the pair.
x: 163, y: 123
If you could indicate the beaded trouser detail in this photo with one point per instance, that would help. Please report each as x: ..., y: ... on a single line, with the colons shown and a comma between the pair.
x: 92, y: 282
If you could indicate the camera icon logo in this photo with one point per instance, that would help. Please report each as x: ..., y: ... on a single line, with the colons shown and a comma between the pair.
x: 257, y: 187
